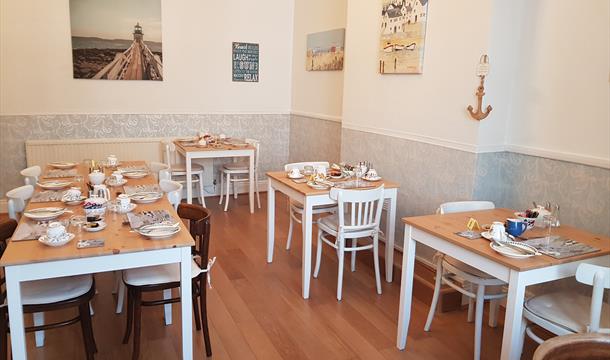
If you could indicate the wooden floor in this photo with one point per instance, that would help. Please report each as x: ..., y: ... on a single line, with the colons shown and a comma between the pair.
x: 256, y: 309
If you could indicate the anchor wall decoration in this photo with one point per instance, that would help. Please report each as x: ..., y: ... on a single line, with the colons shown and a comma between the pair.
x: 482, y: 71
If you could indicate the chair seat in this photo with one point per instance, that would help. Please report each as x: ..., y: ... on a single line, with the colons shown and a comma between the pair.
x: 159, y: 274
x: 240, y: 165
x: 330, y: 224
x: 177, y: 169
x: 467, y: 268
x: 298, y: 207
x: 50, y: 291
x: 566, y: 309
x: 182, y: 178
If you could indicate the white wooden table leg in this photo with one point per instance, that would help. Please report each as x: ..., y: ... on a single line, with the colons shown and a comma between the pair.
x: 406, y: 289
x: 15, y: 311
x: 167, y: 308
x: 39, y: 335
x: 189, y: 180
x: 186, y: 302
x: 511, y: 349
x: 270, y: 220
x: 307, y: 229
x: 389, y: 240
x: 251, y: 183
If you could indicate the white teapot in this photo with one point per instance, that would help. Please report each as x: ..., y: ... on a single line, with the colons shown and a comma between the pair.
x: 97, y: 177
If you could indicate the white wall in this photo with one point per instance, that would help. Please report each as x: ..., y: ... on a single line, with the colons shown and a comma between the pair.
x: 561, y: 101
x: 316, y: 92
x: 430, y: 106
x: 36, y: 61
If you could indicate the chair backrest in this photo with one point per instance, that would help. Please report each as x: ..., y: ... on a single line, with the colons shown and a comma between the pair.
x: 17, y: 199
x: 599, y: 278
x: 31, y: 174
x: 199, y: 227
x: 160, y: 170
x: 359, y: 210
x: 459, y: 206
x: 7, y: 228
x: 257, y: 147
x: 173, y: 190
x: 169, y: 149
x: 301, y: 165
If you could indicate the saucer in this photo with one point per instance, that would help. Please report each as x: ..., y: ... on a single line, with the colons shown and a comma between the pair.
x: 55, y: 242
x: 300, y: 176
x: 94, y: 226
x: 73, y: 201
x: 118, y: 209
x: 116, y: 183
x: 135, y: 174
x: 371, y: 178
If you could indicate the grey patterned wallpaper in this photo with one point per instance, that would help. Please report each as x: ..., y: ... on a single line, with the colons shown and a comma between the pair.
x: 314, y: 139
x: 271, y: 129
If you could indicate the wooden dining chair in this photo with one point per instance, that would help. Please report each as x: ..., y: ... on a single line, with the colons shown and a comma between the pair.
x: 236, y: 172
x: 473, y: 282
x: 17, y: 200
x: 49, y: 295
x: 358, y: 217
x: 31, y: 175
x: 163, y: 277
x: 296, y: 208
x: 178, y: 171
x: 575, y: 347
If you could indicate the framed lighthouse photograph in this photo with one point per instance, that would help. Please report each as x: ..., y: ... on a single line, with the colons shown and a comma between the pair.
x: 116, y: 39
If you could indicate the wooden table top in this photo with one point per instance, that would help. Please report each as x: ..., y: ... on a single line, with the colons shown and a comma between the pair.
x: 118, y: 238
x: 445, y: 226
x: 304, y: 189
x: 216, y: 147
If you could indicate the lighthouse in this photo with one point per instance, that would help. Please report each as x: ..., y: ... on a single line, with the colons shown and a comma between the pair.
x: 138, y: 35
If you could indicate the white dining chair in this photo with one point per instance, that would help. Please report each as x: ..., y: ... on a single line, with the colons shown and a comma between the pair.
x: 296, y: 208
x: 358, y: 216
x: 31, y: 174
x: 17, y: 200
x: 571, y: 311
x: 449, y: 270
x: 238, y: 172
x: 160, y: 170
x: 178, y: 170
x: 173, y: 189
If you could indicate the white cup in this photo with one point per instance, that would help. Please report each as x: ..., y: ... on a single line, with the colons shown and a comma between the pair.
x: 202, y: 142
x: 497, y: 231
x: 372, y: 173
x: 55, y: 230
x: 112, y: 160
x: 294, y: 172
x: 124, y: 201
x: 222, y: 136
x: 74, y: 193
x: 118, y: 176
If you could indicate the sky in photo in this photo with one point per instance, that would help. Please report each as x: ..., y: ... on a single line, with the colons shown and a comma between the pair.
x: 115, y: 19
x: 326, y: 39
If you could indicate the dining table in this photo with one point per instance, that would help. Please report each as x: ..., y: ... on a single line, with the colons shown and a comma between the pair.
x: 191, y: 150
x: 29, y: 260
x: 310, y: 197
x: 439, y: 232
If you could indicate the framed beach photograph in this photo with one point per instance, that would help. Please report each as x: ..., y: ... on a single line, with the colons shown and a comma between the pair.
x: 403, y: 35
x: 325, y: 50
x: 116, y: 39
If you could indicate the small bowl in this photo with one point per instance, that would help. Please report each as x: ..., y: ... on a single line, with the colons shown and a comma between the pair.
x: 61, y: 241
x: 531, y: 222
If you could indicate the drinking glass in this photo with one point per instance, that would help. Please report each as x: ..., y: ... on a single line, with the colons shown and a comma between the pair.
x: 358, y: 173
x: 549, y: 222
x: 78, y: 221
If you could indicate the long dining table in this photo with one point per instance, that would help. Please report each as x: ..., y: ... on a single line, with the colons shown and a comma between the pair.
x: 309, y: 197
x: 28, y: 260
x: 439, y: 232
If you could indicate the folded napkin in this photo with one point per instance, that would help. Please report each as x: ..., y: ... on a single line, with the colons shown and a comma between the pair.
x: 137, y: 220
x: 129, y: 190
x: 61, y: 173
x: 31, y: 230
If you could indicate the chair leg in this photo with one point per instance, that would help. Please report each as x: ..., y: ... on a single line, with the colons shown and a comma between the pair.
x: 437, y: 290
x: 39, y: 335
x: 341, y: 255
x: 137, y: 323
x: 204, y: 315
x: 85, y: 324
x: 117, y: 281
x: 258, y: 197
x: 375, y: 262
x: 129, y: 324
x: 201, y: 191
x: 120, y: 298
x: 290, y: 227
x: 234, y: 190
x: 493, y: 313
x: 353, y: 255
x: 228, y: 188
x: 478, y: 322
x: 316, y: 271
x: 222, y: 180
x: 167, y: 308
x: 196, y: 312
x: 471, y: 304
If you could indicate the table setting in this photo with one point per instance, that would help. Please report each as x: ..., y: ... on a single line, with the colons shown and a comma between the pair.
x: 337, y: 175
x: 155, y: 224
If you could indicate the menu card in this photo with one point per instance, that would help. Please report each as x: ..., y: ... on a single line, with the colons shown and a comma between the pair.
x: 560, y: 247
x: 137, y: 220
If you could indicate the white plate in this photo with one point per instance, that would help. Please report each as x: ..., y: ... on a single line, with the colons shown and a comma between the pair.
x: 316, y: 186
x: 135, y: 174
x: 120, y: 210
x: 148, y: 199
x: 508, y: 251
x: 368, y: 178
x: 160, y: 234
x: 43, y: 214
x: 116, y: 183
x: 63, y: 240
x: 63, y: 164
x: 101, y: 226
x: 73, y: 202
x: 54, y: 185
x: 300, y: 176
x: 486, y: 235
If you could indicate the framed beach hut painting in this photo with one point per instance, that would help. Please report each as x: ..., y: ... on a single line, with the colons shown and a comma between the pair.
x: 403, y: 35
x: 325, y: 50
x: 116, y: 39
